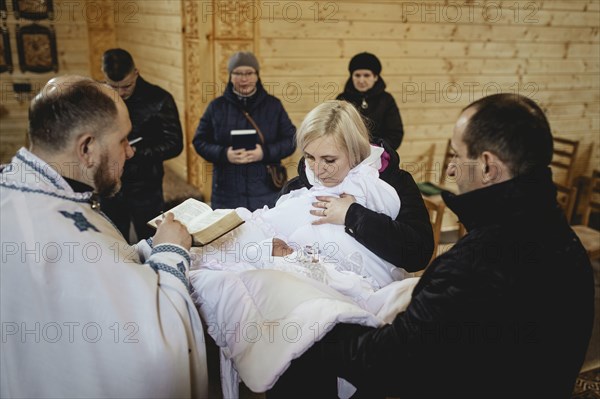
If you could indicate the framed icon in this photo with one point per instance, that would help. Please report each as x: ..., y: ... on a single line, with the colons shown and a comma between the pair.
x: 6, y: 64
x: 36, y: 45
x: 33, y: 9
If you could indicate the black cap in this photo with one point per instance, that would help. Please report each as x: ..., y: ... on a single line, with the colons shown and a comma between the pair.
x: 365, y: 61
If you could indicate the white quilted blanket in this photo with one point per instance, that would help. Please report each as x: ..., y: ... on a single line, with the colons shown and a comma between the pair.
x: 263, y: 319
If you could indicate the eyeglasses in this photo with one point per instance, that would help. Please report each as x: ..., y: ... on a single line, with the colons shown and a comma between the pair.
x: 243, y: 74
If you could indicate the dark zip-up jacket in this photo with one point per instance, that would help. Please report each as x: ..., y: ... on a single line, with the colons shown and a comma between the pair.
x: 506, y: 313
x: 154, y: 117
x: 243, y: 185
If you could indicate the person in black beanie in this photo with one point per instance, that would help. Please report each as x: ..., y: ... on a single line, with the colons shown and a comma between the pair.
x: 365, y: 89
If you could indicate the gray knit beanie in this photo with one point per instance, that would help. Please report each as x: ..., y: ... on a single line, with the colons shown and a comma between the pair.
x: 242, y: 58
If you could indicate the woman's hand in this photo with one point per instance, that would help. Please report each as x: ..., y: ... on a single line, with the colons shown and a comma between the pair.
x: 242, y: 156
x: 331, y: 209
x: 236, y: 156
x: 255, y: 155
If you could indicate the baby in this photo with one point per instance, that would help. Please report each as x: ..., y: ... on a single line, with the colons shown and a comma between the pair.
x: 339, y: 160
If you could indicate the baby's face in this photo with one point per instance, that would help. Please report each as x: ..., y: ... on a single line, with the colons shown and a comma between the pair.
x: 327, y: 160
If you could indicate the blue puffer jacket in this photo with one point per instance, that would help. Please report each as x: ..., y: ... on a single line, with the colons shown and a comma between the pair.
x: 243, y: 185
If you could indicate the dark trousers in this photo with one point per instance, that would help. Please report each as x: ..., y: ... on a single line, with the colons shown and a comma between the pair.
x: 305, y: 378
x: 124, y: 208
x: 314, y: 374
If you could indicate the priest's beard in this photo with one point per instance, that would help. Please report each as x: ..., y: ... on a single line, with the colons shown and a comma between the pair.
x: 107, y: 180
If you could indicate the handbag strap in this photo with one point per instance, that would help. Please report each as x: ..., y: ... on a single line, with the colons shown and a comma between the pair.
x: 255, y: 126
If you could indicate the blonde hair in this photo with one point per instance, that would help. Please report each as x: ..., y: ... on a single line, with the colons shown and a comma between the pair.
x: 340, y: 120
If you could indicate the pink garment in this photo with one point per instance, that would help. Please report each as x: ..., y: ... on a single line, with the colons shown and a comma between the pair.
x: 385, y: 161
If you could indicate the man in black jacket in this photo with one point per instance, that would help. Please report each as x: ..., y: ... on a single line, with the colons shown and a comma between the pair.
x: 155, y: 122
x: 507, y: 312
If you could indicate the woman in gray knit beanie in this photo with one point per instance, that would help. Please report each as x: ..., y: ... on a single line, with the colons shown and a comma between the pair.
x: 240, y: 173
x: 242, y: 58
x: 243, y: 71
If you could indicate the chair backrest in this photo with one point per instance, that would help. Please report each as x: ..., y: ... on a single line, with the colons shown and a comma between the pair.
x: 563, y: 160
x: 591, y: 197
x: 448, y: 155
x: 436, y: 215
x: 420, y: 166
x: 566, y: 199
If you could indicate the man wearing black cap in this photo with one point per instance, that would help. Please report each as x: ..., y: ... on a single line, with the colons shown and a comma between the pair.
x: 366, y: 90
x: 155, y: 123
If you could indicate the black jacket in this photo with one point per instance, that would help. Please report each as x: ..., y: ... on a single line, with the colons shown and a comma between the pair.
x: 405, y: 242
x: 382, y: 113
x: 154, y: 117
x: 507, y: 312
x: 243, y: 185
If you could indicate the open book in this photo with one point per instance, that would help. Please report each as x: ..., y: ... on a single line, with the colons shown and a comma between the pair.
x: 204, y: 224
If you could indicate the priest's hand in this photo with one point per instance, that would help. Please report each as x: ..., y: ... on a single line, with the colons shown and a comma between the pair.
x: 171, y: 231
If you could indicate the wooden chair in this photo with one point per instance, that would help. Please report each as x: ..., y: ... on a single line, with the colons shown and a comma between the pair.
x: 566, y: 199
x: 436, y: 215
x: 448, y: 155
x: 590, y: 238
x: 563, y: 160
x: 420, y: 166
x: 451, y: 223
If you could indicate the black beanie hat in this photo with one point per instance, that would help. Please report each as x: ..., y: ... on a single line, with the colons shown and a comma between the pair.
x: 365, y: 61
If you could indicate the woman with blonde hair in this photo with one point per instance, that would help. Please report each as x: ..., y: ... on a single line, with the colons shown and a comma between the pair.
x: 405, y: 239
x: 240, y: 281
x: 339, y: 161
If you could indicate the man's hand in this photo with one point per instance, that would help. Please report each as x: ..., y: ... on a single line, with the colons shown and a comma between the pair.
x: 171, y: 231
x: 331, y: 209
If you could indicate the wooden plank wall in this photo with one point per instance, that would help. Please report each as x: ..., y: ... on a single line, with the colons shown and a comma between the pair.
x: 438, y: 56
x: 152, y: 32
x: 70, y: 25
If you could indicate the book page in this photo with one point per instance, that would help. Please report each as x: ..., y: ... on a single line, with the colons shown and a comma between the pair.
x: 206, y: 220
x: 186, y: 212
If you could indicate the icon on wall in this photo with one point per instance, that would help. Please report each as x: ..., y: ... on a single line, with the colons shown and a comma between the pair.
x: 36, y: 45
x: 6, y: 64
x: 34, y: 10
